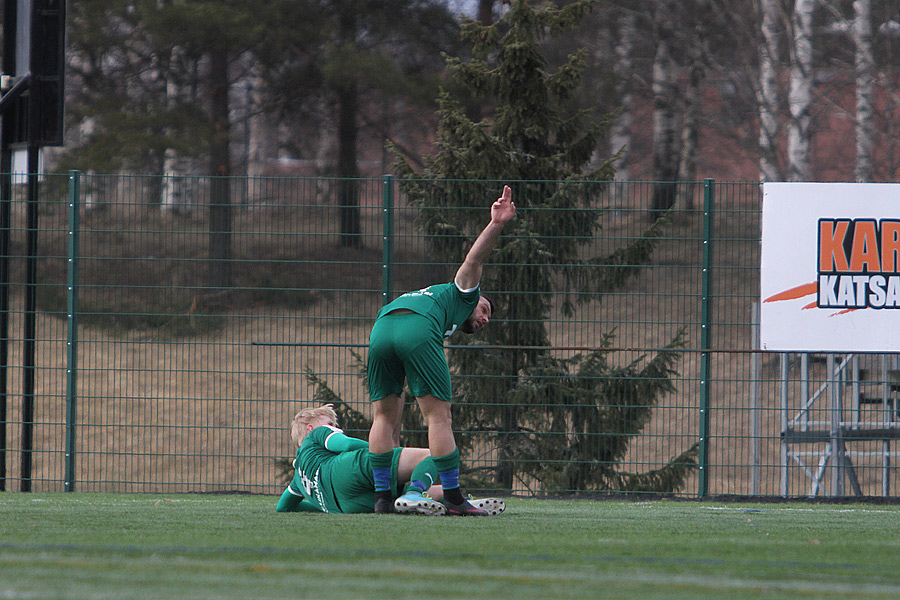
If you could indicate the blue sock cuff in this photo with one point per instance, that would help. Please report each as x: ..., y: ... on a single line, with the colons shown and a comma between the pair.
x: 382, y: 479
x: 450, y: 479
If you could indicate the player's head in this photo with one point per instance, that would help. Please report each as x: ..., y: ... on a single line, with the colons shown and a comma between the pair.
x: 480, y: 317
x: 310, y: 418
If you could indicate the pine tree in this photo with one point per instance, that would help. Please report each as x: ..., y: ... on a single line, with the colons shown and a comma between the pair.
x: 563, y: 424
x: 361, y: 56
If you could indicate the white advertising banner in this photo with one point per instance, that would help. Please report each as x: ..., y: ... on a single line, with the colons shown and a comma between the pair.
x: 830, y: 267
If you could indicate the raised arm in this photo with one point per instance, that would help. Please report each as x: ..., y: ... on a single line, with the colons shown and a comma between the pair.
x: 502, y: 212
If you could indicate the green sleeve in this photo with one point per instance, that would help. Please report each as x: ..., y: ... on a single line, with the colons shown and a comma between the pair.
x: 338, y: 442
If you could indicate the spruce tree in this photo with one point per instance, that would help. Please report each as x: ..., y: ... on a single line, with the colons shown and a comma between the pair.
x: 557, y: 424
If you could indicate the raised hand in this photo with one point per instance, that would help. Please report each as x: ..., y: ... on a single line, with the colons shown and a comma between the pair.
x: 504, y: 209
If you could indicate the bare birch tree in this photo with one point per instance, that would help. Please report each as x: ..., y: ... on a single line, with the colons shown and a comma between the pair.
x: 800, y: 92
x: 890, y: 30
x: 767, y: 93
x: 696, y: 49
x: 864, y: 69
x: 623, y: 72
x: 172, y: 194
x: 665, y: 94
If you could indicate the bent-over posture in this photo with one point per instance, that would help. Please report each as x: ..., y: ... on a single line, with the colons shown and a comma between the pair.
x: 407, y: 344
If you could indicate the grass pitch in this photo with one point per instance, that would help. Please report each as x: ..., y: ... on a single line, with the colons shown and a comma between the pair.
x: 197, y: 546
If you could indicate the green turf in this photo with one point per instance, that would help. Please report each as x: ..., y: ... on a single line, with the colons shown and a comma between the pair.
x: 197, y: 546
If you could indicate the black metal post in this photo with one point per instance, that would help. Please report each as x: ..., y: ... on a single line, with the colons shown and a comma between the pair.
x: 10, y: 10
x: 29, y: 335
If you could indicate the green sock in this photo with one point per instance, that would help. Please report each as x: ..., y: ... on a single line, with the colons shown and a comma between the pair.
x: 448, y: 462
x: 423, y: 476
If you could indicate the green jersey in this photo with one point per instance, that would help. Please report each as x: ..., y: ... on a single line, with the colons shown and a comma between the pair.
x: 315, y: 464
x: 445, y: 305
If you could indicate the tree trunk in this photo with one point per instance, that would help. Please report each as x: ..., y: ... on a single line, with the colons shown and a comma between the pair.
x: 220, y: 169
x: 261, y: 138
x: 620, y: 129
x: 693, y: 103
x: 348, y: 187
x: 348, y: 107
x: 486, y: 12
x: 665, y: 95
x: 767, y: 95
x: 800, y: 94
x: 170, y: 192
x: 690, y: 133
x: 865, y: 72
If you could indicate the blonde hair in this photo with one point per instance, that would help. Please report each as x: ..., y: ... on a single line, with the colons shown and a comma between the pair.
x: 307, y: 416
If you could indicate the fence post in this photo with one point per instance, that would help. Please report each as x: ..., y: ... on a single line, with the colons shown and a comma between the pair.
x: 72, y: 328
x: 29, y: 329
x: 754, y: 399
x: 387, y: 247
x: 6, y: 181
x: 708, y: 198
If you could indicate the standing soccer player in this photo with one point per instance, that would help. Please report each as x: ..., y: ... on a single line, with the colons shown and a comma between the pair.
x: 407, y: 343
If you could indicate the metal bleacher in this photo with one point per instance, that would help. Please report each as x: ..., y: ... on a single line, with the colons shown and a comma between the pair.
x: 847, y: 417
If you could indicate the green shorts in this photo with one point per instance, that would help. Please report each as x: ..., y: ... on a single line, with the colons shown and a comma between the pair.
x: 353, y: 483
x: 406, y: 346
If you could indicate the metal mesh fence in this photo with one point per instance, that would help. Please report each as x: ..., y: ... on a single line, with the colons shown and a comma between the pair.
x: 178, y: 324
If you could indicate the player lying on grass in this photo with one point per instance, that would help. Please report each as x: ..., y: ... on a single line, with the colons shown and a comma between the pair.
x: 407, y: 344
x: 333, y: 473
